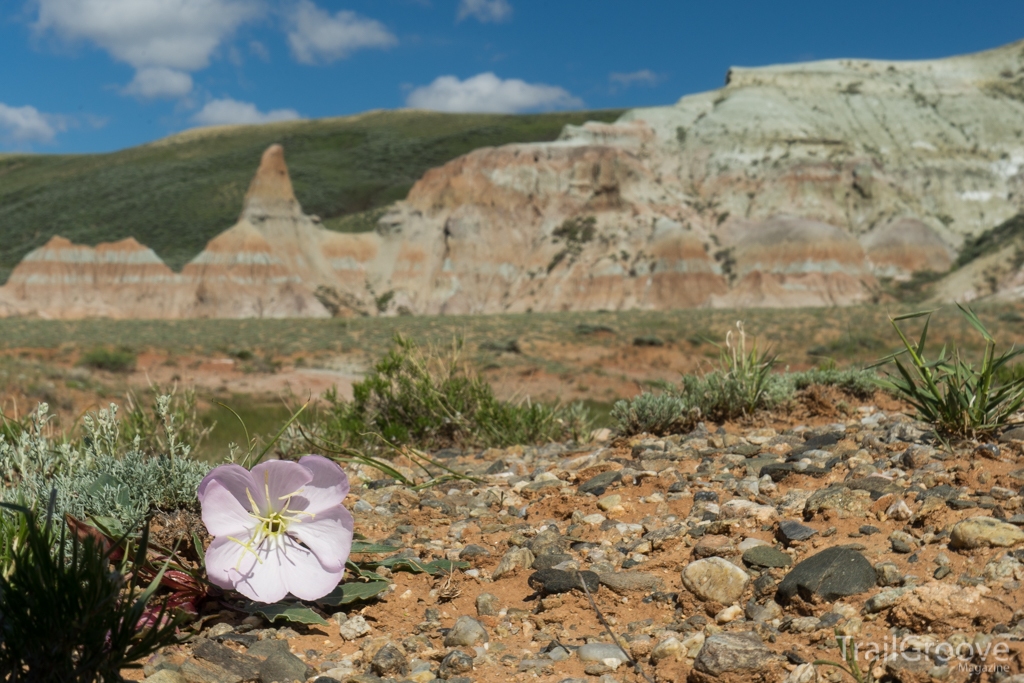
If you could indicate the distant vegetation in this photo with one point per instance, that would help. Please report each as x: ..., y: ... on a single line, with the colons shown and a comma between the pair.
x: 175, y: 195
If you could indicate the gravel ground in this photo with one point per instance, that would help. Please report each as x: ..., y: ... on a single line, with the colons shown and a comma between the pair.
x: 733, y: 554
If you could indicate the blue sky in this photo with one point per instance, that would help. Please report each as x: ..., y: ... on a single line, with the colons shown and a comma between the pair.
x: 100, y: 75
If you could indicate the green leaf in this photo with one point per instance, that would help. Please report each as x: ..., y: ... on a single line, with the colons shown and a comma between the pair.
x: 360, y: 573
x: 353, y: 591
x: 109, y: 525
x: 293, y: 612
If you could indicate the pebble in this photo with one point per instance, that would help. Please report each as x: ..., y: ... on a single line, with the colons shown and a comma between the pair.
x: 606, y: 653
x: 732, y: 652
x: 670, y: 648
x: 165, y: 676
x: 353, y: 627
x: 454, y: 663
x: 390, y: 662
x: 630, y: 582
x: 790, y: 531
x: 766, y: 556
x: 516, y: 558
x: 283, y: 667
x: 487, y: 605
x: 597, y: 485
x: 829, y: 575
x: 467, y: 631
x: 554, y: 581
x: 716, y: 579
x: 984, y: 532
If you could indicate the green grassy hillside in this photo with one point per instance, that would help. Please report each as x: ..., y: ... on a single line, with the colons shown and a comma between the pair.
x: 176, y: 194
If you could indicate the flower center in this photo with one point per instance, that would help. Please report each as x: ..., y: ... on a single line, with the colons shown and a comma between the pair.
x: 271, y: 525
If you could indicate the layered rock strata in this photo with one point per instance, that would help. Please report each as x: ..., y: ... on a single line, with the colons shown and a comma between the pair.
x: 796, y: 185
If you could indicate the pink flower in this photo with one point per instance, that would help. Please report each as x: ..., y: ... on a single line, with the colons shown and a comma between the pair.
x: 278, y: 529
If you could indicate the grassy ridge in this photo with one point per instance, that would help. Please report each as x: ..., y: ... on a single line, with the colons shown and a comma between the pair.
x: 177, y: 194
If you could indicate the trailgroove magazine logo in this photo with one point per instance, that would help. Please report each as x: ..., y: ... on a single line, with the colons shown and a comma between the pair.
x: 975, y: 657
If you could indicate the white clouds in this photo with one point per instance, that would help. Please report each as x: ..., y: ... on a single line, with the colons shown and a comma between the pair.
x: 27, y: 124
x: 162, y: 39
x: 643, y: 77
x: 487, y: 93
x: 229, y: 111
x: 316, y: 37
x: 485, y: 10
x: 159, y: 81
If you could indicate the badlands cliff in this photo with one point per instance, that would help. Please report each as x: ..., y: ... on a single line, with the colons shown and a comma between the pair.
x: 796, y: 185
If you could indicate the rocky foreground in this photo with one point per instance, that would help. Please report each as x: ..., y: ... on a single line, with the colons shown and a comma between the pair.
x: 723, y: 554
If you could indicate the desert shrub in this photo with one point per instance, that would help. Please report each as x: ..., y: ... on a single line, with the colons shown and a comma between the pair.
x: 959, y: 398
x: 854, y: 381
x: 98, y: 475
x: 720, y: 396
x: 650, y: 413
x: 428, y: 398
x: 170, y: 424
x: 65, y: 617
x: 112, y: 360
x: 741, y: 384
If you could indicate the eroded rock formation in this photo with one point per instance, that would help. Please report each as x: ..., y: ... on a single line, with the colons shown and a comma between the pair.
x: 796, y: 185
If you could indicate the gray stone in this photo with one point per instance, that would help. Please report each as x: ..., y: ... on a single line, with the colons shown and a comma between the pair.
x: 982, y: 532
x: 766, y: 556
x: 843, y: 501
x: 466, y: 632
x: 390, y: 662
x: 549, y: 560
x: 553, y: 581
x: 829, y: 575
x: 598, y: 484
x: 731, y: 652
x: 243, y: 666
x: 629, y: 582
x: 516, y: 558
x: 669, y: 648
x: 902, y: 542
x: 353, y: 628
x: 165, y: 676
x: 202, y: 671
x: 158, y: 662
x: 888, y: 574
x: 487, y: 605
x: 714, y: 578
x: 268, y: 647
x: 454, y: 663
x: 471, y: 551
x: 547, y: 542
x: 601, y: 652
x: 884, y: 600
x: 790, y: 531
x: 875, y: 486
x: 284, y: 668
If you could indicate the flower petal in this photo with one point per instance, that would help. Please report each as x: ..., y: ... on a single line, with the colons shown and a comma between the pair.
x: 223, y: 558
x: 280, y: 479
x: 329, y: 485
x: 284, y: 567
x: 307, y: 577
x: 223, y: 514
x: 237, y: 480
x: 328, y: 535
